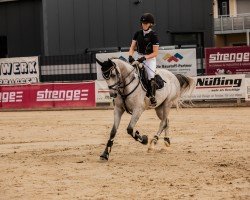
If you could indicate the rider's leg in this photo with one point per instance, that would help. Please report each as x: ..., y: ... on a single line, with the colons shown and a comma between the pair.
x: 153, y: 90
x: 150, y: 66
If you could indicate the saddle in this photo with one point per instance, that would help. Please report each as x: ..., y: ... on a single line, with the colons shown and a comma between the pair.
x: 145, y: 83
x: 144, y: 78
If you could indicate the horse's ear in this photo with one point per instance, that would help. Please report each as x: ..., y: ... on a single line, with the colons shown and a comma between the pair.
x: 99, y: 62
x: 111, y: 63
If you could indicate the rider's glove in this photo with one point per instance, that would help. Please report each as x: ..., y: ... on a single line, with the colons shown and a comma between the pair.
x: 131, y: 59
x: 141, y: 60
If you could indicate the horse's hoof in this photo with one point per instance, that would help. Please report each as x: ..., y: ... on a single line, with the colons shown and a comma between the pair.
x: 167, y: 141
x: 104, y: 156
x: 144, y: 139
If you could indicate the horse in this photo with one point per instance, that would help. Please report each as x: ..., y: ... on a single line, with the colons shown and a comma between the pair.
x: 125, y: 85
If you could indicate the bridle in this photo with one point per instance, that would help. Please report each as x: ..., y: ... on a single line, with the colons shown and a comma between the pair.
x: 120, y: 84
x: 107, y: 74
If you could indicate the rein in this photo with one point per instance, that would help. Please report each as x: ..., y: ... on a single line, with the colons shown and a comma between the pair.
x: 121, y: 88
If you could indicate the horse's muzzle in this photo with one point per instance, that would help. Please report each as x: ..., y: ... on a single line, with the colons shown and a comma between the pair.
x: 113, y: 95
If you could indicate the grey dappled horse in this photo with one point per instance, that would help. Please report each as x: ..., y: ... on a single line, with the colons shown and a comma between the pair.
x: 125, y: 86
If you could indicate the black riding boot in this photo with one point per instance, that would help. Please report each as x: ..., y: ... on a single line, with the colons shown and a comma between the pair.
x: 152, y: 92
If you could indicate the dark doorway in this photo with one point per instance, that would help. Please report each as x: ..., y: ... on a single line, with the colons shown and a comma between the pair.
x: 3, y: 47
x: 223, y: 7
x: 181, y: 39
x: 191, y: 40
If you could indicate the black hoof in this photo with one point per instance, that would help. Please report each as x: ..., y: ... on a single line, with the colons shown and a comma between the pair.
x: 167, y: 140
x: 144, y: 139
x: 104, y: 156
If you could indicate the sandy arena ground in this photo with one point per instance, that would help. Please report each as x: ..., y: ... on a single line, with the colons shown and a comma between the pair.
x: 55, y: 155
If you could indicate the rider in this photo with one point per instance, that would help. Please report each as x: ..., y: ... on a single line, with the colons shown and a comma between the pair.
x: 146, y: 41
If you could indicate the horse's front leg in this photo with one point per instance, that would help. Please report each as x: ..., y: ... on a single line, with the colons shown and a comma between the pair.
x: 130, y: 130
x: 117, y: 118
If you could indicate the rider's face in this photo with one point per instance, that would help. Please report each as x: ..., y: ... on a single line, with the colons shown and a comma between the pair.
x: 145, y: 26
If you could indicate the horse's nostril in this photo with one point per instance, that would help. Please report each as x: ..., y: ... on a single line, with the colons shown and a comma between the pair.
x: 113, y: 95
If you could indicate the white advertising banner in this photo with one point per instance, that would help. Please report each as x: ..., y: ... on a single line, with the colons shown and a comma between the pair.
x: 105, y: 56
x: 247, y: 89
x: 218, y: 87
x: 178, y: 61
x: 102, y: 92
x: 21, y: 70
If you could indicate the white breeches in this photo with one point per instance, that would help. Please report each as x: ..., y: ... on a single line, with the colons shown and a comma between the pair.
x: 150, y: 66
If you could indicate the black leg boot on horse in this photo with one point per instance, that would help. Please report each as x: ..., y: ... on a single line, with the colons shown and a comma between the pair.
x: 152, y: 92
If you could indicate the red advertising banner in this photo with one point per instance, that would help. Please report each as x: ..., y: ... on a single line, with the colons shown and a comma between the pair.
x: 228, y: 60
x: 48, y: 95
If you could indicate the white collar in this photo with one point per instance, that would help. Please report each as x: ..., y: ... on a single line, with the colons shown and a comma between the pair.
x: 146, y: 32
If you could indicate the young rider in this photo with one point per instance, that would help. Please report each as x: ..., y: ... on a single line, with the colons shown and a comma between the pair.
x: 147, y: 44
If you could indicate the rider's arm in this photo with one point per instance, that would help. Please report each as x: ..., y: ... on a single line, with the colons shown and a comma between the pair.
x: 132, y: 48
x: 155, y: 41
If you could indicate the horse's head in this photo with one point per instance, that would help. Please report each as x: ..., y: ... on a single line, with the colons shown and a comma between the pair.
x: 112, y: 76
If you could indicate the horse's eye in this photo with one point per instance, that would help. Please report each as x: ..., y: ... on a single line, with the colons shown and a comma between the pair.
x: 112, y: 75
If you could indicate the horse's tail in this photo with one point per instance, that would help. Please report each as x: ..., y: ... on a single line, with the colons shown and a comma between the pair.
x: 186, y: 84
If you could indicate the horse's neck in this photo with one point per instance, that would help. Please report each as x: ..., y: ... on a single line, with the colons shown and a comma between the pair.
x: 125, y: 68
x: 128, y: 75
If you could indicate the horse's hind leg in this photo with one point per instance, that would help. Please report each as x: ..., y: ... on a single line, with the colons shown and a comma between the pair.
x: 117, y: 118
x: 159, y: 113
x: 166, y: 138
x: 163, y: 113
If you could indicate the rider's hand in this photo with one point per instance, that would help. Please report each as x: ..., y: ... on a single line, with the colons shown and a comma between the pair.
x: 141, y: 60
x: 137, y: 64
x: 131, y: 59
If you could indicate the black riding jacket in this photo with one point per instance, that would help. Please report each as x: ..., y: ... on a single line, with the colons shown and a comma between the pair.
x: 145, y: 42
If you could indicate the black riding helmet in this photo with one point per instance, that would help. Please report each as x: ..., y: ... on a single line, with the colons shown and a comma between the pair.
x: 147, y: 18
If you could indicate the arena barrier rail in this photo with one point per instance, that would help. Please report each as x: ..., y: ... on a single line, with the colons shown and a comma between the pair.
x: 233, y: 90
x: 56, y: 95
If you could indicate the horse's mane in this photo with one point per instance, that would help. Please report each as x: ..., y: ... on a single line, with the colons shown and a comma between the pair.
x: 120, y: 62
